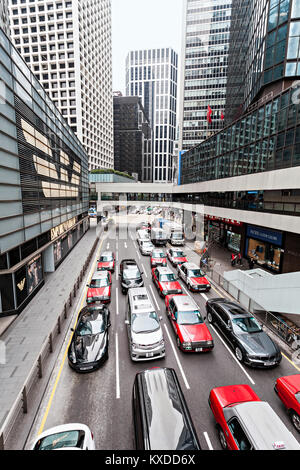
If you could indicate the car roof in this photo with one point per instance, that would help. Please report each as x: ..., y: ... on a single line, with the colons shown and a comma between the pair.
x: 158, y: 250
x: 140, y: 300
x: 176, y: 249
x: 165, y: 412
x: 63, y: 428
x: 190, y: 266
x: 163, y: 270
x: 100, y: 275
x: 293, y: 381
x: 263, y: 426
x: 229, y: 306
x: 185, y: 303
x: 107, y: 253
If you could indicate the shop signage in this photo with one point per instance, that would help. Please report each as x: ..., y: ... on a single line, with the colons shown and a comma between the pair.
x: 264, y: 235
x: 62, y: 228
x: 226, y: 221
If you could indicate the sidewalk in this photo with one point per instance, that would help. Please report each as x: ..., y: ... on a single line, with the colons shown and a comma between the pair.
x: 222, y: 259
x: 25, y: 336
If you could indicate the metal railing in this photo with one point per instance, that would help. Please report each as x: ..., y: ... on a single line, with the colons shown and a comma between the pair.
x: 22, y: 402
x: 276, y: 324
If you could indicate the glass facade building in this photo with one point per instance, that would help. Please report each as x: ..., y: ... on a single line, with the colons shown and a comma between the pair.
x: 152, y: 75
x: 205, y: 55
x: 44, y: 188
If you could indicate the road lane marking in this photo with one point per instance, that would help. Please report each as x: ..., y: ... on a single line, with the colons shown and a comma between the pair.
x: 236, y: 360
x: 177, y: 359
x: 154, y: 297
x: 291, y: 362
x: 220, y: 293
x: 144, y: 271
x: 125, y: 244
x: 69, y: 342
x: 208, y: 441
x: 107, y: 246
x: 205, y: 297
x: 137, y: 251
x: 117, y: 369
x: 117, y: 300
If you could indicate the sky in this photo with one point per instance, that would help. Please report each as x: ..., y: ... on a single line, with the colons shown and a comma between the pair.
x: 143, y: 24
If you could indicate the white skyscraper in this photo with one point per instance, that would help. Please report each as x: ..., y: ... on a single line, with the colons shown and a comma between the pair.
x: 67, y: 44
x: 152, y: 75
x: 4, y: 17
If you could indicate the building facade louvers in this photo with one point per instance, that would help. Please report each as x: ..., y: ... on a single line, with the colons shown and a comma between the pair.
x: 68, y: 46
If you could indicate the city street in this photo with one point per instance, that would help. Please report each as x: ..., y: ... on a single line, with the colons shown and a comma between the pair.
x: 102, y: 399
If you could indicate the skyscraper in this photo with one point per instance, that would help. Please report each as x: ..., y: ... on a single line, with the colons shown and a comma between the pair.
x: 152, y: 75
x: 132, y: 133
x: 4, y: 17
x: 67, y: 45
x: 205, y: 47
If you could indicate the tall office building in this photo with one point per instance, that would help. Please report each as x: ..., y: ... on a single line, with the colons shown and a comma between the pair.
x: 247, y: 175
x: 205, y: 45
x: 132, y: 133
x: 4, y: 17
x: 67, y: 45
x: 152, y: 75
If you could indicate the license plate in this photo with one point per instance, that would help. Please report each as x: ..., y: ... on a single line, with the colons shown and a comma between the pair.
x: 149, y: 354
x: 269, y: 363
x: 86, y: 368
x: 199, y: 349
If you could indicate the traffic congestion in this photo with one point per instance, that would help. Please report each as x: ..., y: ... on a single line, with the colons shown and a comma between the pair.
x: 161, y: 358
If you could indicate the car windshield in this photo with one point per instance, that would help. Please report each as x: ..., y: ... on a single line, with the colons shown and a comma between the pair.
x: 246, y: 325
x: 177, y: 236
x: 91, y: 325
x: 145, y: 323
x: 167, y: 277
x: 158, y: 255
x: 106, y: 258
x: 195, y: 273
x: 147, y: 244
x: 178, y: 254
x: 132, y: 274
x: 96, y: 283
x: 60, y: 440
x: 298, y: 397
x: 189, y: 318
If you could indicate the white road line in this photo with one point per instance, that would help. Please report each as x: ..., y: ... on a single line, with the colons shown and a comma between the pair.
x: 137, y: 251
x: 125, y: 244
x: 117, y: 369
x: 107, y: 246
x: 154, y: 298
x: 205, y: 297
x: 117, y: 301
x: 177, y: 359
x: 144, y: 271
x: 208, y: 441
x: 239, y: 364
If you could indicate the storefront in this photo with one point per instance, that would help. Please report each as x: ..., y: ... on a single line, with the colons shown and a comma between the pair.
x: 226, y: 232
x: 264, y: 246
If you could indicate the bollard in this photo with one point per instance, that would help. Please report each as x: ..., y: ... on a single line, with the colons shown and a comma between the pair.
x: 40, y: 366
x: 70, y: 299
x: 24, y: 396
x: 65, y: 311
x: 51, y: 343
x: 1, y: 442
x: 58, y: 326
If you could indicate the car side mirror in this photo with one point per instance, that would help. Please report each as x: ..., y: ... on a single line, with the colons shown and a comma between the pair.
x: 204, y: 318
x: 160, y: 318
x: 126, y: 322
x: 120, y: 274
x: 109, y: 324
x: 72, y: 329
x: 88, y: 285
x: 229, y: 327
x: 142, y: 273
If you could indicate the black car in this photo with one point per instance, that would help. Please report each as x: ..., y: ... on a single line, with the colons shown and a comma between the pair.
x: 161, y: 418
x: 244, y: 334
x: 89, y: 346
x: 130, y: 275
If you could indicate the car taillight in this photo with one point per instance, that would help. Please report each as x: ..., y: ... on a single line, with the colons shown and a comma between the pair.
x: 92, y: 435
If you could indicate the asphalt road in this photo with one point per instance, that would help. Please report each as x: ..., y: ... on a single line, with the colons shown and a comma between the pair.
x: 102, y: 399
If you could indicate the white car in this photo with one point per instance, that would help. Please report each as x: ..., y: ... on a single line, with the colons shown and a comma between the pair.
x: 146, y: 247
x: 65, y: 437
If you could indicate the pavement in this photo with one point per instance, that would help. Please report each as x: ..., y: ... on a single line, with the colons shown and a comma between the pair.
x: 102, y: 399
x: 24, y: 338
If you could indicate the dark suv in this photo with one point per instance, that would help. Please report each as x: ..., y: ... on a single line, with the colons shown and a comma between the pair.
x: 243, y: 333
x: 130, y: 275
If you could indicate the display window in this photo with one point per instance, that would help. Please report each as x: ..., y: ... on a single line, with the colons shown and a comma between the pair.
x: 265, y: 254
x: 234, y: 241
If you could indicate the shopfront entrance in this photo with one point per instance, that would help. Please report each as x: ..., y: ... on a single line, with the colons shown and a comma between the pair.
x: 226, y: 232
x: 264, y: 246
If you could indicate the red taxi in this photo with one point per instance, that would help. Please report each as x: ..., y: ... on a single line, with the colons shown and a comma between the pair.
x: 193, y: 277
x: 176, y: 256
x: 158, y: 258
x: 288, y: 390
x: 192, y: 335
x: 166, y: 281
x: 106, y: 262
x: 99, y: 290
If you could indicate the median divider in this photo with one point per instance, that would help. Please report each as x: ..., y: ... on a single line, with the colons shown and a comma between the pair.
x: 22, y: 403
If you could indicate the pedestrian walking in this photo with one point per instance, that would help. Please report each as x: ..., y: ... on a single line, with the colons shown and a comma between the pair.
x: 239, y: 260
